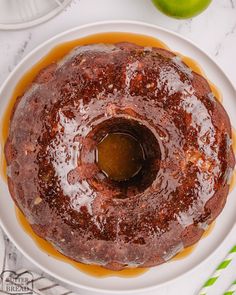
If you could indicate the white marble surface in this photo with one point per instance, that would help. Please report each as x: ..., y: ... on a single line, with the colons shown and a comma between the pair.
x: 214, y: 31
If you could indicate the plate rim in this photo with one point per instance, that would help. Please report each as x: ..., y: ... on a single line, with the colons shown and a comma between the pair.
x: 2, y: 87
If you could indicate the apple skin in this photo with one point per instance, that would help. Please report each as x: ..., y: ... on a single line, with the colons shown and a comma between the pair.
x: 182, y: 8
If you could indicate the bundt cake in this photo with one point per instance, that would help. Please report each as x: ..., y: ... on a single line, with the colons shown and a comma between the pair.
x: 119, y: 155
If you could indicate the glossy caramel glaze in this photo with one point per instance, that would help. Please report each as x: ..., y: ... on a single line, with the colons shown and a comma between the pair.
x: 93, y: 270
x: 57, y: 124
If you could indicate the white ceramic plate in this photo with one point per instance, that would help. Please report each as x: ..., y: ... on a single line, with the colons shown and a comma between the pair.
x: 157, y: 275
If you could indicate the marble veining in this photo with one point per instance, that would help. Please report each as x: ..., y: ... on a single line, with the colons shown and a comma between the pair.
x: 20, y: 52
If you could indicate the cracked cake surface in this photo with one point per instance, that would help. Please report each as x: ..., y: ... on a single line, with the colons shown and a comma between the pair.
x: 53, y: 176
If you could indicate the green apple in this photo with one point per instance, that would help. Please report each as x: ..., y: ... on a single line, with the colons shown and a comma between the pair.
x: 181, y: 8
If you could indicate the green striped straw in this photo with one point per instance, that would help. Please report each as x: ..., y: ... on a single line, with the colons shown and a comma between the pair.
x: 232, y: 289
x: 218, y: 272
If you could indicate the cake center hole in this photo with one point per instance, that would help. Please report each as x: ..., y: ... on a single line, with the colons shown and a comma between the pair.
x: 120, y: 156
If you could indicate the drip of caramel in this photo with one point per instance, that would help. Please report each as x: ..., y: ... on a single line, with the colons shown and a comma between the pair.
x: 187, y: 251
x: 197, y: 68
x: 232, y: 182
x: 234, y: 140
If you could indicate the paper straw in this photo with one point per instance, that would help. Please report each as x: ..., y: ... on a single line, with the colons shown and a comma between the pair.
x: 218, y: 272
x: 232, y: 289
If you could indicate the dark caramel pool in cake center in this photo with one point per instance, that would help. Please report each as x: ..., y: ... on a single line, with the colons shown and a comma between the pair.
x: 120, y: 156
